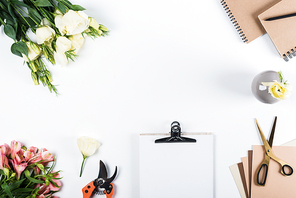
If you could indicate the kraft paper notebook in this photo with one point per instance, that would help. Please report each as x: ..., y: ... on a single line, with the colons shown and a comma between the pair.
x: 281, y: 31
x: 176, y: 170
x: 244, y: 16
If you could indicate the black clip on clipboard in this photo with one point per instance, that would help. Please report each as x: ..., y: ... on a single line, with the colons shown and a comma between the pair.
x: 175, y: 135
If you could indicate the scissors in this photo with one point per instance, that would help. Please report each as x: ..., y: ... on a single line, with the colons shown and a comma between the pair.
x: 102, y: 182
x: 286, y: 169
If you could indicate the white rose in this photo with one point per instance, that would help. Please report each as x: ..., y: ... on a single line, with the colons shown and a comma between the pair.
x: 74, y: 22
x: 34, y: 51
x: 60, y: 58
x: 63, y: 44
x: 44, y: 34
x: 58, y: 20
x: 77, y: 42
x: 87, y: 146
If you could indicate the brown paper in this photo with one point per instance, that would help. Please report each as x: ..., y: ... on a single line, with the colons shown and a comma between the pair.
x: 281, y: 31
x: 277, y: 185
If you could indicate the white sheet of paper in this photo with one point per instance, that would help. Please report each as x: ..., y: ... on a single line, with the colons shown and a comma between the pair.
x: 176, y: 170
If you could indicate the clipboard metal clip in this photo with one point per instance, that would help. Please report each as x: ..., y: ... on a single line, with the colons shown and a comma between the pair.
x: 175, y: 135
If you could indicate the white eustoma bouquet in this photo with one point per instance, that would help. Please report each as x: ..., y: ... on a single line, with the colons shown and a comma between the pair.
x: 60, y: 28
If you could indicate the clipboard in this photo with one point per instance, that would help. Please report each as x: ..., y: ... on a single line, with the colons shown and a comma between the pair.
x: 176, y: 169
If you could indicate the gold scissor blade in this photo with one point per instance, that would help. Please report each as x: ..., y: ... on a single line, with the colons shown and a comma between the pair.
x: 272, y: 132
x: 266, y: 145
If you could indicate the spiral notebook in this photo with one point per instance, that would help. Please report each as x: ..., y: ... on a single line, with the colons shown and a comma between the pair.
x: 281, y: 31
x: 244, y: 16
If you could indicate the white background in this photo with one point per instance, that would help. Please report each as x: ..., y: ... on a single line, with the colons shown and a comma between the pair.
x: 163, y: 61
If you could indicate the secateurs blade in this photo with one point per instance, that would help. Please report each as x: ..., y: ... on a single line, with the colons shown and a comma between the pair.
x: 101, y: 185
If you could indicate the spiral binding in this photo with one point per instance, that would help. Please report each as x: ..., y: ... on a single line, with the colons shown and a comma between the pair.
x: 290, y: 54
x: 234, y: 22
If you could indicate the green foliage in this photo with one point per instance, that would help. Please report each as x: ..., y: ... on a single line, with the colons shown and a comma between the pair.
x: 20, y: 16
x: 9, y: 31
x: 19, y: 48
x: 42, y: 3
x: 77, y: 8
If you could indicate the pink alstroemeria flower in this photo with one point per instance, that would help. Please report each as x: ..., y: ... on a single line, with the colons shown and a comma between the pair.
x: 44, y: 191
x: 5, y: 149
x: 51, y: 186
x: 43, y: 155
x: 15, y: 148
x: 28, y: 155
x: 3, y: 162
x: 18, y: 167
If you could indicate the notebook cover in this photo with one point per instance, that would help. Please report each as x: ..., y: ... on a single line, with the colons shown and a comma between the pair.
x: 244, y: 16
x: 282, y: 31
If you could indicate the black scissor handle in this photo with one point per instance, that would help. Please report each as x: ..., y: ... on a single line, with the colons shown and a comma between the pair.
x: 262, y: 183
x: 290, y: 170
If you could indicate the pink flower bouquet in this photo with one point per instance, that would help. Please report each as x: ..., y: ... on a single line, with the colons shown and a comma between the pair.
x: 27, y: 172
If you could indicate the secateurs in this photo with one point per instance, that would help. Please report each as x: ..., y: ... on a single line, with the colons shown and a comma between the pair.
x: 101, y: 185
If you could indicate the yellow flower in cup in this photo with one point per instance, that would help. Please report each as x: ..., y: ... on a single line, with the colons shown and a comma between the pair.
x: 278, y: 90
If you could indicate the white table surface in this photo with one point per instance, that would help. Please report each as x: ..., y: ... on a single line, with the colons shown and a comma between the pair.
x: 163, y: 61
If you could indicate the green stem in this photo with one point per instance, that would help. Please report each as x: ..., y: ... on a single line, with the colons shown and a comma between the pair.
x: 84, y: 157
x: 25, y: 19
x: 2, y: 22
x: 26, y: 14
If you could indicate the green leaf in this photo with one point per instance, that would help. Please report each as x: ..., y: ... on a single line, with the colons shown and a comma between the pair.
x: 6, y: 189
x: 16, y: 2
x: 34, y: 14
x: 62, y: 8
x: 42, y: 3
x: 27, y: 174
x: 9, y: 31
x: 77, y: 8
x: 19, y: 48
x: 18, y: 190
x: 15, y: 185
x: 68, y: 2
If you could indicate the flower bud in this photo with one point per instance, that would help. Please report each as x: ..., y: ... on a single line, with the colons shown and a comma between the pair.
x: 35, y: 47
x: 51, y: 59
x: 41, y: 167
x: 48, y: 76
x: 46, y: 182
x: 103, y: 28
x: 45, y: 52
x: 6, y: 171
x: 35, y: 78
x: 13, y: 175
x: 93, y: 23
x: 32, y: 66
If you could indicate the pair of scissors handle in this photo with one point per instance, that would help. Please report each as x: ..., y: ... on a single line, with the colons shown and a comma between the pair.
x: 263, y: 170
x: 110, y: 194
x: 286, y: 169
x: 88, y: 189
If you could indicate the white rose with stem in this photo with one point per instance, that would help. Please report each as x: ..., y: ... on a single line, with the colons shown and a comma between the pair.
x: 87, y: 147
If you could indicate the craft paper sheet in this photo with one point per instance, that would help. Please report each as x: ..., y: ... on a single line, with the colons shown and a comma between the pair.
x: 176, y: 170
x: 277, y: 185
